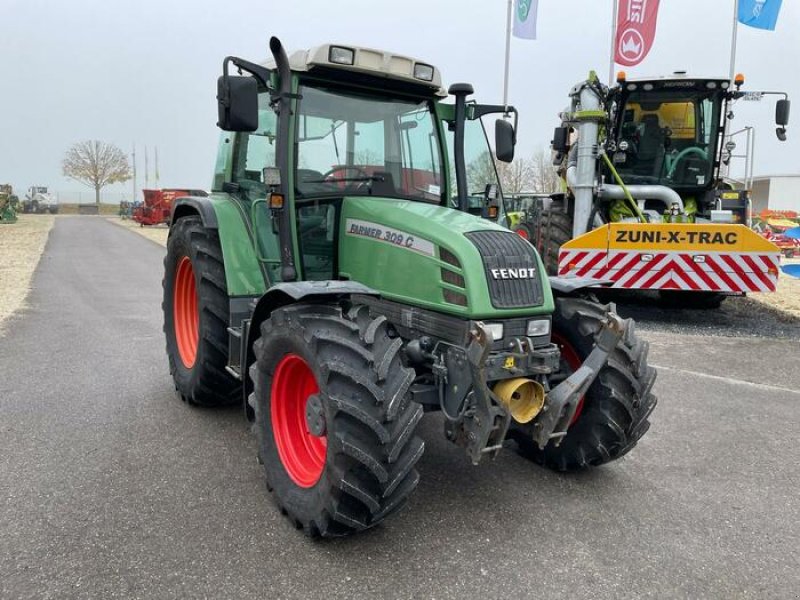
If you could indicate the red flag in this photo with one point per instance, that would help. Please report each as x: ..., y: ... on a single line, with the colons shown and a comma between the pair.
x: 636, y: 30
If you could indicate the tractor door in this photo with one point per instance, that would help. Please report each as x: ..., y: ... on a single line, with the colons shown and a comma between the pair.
x: 252, y: 152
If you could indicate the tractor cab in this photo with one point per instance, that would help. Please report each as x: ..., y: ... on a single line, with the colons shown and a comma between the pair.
x: 666, y: 131
x: 365, y: 124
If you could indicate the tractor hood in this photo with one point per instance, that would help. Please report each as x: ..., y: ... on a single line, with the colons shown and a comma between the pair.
x: 440, y: 258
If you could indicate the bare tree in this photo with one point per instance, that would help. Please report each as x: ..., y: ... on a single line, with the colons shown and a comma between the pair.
x: 96, y: 164
x: 516, y: 176
x: 544, y: 178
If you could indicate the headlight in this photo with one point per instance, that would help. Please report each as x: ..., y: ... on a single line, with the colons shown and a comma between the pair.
x: 424, y: 72
x: 495, y: 330
x: 341, y: 56
x: 538, y: 327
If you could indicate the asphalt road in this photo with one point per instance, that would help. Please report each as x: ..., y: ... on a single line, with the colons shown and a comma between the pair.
x: 113, y: 488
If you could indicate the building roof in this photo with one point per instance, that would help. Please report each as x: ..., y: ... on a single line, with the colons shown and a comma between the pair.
x: 779, y: 176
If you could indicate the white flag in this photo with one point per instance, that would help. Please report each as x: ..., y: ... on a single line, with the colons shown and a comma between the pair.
x: 525, y: 19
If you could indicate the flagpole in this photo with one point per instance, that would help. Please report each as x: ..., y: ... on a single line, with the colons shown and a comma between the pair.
x: 611, y: 62
x: 508, y: 56
x: 733, y: 38
x: 134, y: 173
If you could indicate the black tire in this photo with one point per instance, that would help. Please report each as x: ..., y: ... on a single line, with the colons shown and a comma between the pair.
x: 205, y: 382
x: 368, y: 469
x: 691, y: 300
x: 556, y: 230
x: 35, y: 207
x: 615, y: 410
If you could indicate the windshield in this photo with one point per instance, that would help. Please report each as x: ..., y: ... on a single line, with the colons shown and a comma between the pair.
x: 367, y: 145
x: 667, y: 139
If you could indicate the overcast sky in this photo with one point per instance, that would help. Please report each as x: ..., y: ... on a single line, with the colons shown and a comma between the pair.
x: 145, y: 71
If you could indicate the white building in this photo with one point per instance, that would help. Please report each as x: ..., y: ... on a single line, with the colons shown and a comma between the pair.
x: 776, y: 192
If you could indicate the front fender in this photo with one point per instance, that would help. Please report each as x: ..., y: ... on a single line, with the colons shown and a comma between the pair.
x: 283, y: 294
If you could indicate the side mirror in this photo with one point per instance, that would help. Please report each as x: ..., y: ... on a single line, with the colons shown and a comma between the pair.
x: 782, y: 118
x: 237, y: 103
x: 560, y: 141
x: 504, y: 140
x: 782, y: 112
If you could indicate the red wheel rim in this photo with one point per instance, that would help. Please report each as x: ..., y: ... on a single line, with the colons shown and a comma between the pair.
x: 523, y: 234
x: 573, y: 360
x: 185, y: 315
x: 301, y: 452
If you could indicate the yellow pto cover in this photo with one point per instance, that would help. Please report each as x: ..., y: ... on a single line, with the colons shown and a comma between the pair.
x: 674, y: 256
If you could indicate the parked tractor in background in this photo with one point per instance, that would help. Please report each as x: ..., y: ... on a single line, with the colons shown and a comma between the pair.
x: 39, y: 201
x: 157, y: 206
x: 523, y: 213
x: 646, y: 206
x: 9, y: 204
x: 337, y: 284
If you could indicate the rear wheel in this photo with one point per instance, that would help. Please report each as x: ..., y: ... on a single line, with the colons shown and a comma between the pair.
x: 334, y: 420
x: 613, y: 415
x: 196, y: 315
x: 556, y: 230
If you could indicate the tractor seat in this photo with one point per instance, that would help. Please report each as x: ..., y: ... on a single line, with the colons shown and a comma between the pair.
x: 651, y: 147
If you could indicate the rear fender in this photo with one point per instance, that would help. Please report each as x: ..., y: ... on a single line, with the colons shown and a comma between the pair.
x: 244, y: 275
x: 195, y: 205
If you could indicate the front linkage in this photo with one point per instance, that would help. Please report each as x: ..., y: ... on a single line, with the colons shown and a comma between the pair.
x: 484, y: 418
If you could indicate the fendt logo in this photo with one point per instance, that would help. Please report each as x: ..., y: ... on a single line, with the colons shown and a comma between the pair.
x: 524, y: 273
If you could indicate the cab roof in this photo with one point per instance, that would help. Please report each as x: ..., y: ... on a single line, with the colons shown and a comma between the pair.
x: 368, y: 61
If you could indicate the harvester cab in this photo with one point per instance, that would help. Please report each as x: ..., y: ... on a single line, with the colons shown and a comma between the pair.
x: 340, y: 281
x: 646, y: 205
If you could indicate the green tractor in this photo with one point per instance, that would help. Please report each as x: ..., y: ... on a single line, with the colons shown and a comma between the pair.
x: 9, y: 204
x: 337, y: 284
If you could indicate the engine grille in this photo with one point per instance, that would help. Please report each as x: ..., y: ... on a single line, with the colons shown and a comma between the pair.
x: 500, y: 251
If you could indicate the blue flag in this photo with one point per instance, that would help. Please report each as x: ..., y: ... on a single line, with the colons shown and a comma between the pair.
x: 525, y: 19
x: 762, y: 14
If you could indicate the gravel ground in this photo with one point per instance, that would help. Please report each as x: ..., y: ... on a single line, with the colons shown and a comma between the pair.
x: 737, y: 317
x: 21, y: 246
x: 787, y: 296
x: 156, y: 233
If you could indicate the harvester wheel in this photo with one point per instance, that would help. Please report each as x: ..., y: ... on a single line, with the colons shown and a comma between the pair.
x: 196, y: 315
x: 613, y: 414
x: 556, y: 230
x: 333, y: 417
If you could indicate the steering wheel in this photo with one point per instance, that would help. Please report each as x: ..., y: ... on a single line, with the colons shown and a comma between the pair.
x: 683, y: 154
x: 329, y: 173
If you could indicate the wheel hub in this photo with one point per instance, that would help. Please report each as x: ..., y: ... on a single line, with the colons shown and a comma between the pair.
x: 315, y: 416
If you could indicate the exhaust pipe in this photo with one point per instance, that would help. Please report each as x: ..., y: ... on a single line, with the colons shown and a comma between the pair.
x: 523, y: 397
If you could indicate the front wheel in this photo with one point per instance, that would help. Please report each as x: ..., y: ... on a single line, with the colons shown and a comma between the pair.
x: 613, y: 415
x: 333, y: 417
x: 196, y: 315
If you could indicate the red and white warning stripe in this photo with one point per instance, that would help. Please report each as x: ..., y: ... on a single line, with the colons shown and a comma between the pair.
x: 735, y: 272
